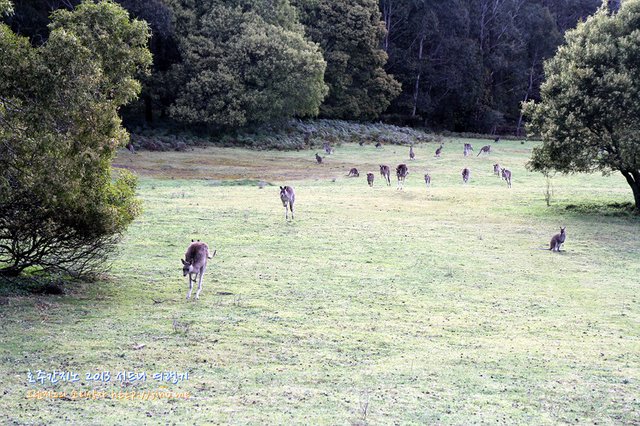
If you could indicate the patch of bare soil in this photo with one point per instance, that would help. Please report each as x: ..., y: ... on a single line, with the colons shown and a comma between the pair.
x: 230, y: 164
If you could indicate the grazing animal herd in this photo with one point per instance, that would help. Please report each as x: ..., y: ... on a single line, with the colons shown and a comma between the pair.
x: 197, y: 254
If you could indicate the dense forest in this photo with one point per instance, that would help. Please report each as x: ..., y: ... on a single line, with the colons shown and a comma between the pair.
x: 461, y: 65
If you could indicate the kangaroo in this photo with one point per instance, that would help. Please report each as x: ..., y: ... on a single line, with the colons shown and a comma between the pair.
x: 506, y: 175
x: 385, y: 172
x: 288, y: 197
x: 327, y: 148
x: 412, y: 155
x: 467, y: 149
x: 557, y: 240
x: 378, y: 145
x: 466, y: 174
x: 370, y: 178
x: 427, y: 179
x: 497, y: 170
x: 486, y: 148
x: 497, y: 139
x: 439, y: 151
x: 195, y: 263
x: 353, y: 173
x: 318, y: 158
x: 401, y: 172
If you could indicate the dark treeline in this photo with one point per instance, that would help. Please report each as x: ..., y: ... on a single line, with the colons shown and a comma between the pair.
x: 460, y: 65
x: 466, y: 65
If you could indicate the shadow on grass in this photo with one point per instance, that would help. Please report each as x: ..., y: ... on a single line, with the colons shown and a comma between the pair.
x: 610, y: 209
x: 240, y: 182
x: 27, y: 285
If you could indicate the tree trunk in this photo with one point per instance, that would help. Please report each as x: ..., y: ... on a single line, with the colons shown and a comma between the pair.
x: 633, y: 179
x: 416, y: 90
x: 526, y: 98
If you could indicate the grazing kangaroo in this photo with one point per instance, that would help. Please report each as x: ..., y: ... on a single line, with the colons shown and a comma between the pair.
x: 195, y: 263
x: 401, y: 172
x: 288, y: 197
x: 412, y: 155
x: 439, y: 151
x: 506, y: 175
x: 466, y: 174
x: 385, y: 172
x: 378, y: 145
x: 318, y: 158
x: 497, y: 170
x: 486, y: 148
x: 427, y: 179
x: 370, y: 178
x: 557, y: 240
x: 353, y: 173
x: 497, y: 139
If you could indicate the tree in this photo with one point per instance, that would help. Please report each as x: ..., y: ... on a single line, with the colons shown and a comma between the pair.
x: 243, y: 62
x: 589, y: 114
x: 349, y: 33
x: 60, y: 207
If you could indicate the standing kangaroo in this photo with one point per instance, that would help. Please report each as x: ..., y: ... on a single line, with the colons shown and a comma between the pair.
x: 427, y: 179
x: 288, y: 197
x: 506, y: 175
x: 195, y: 263
x: 466, y: 174
x: 467, y: 149
x: 370, y: 178
x: 401, y: 172
x: 318, y: 158
x: 353, y: 173
x: 412, y: 155
x: 557, y: 240
x: 486, y: 148
x: 439, y: 151
x: 327, y: 148
x: 497, y: 170
x: 385, y: 172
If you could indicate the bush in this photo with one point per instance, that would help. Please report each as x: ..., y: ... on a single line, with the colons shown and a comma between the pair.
x: 61, y: 210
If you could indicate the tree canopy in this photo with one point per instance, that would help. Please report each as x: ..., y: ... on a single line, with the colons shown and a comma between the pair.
x: 243, y: 62
x: 60, y: 207
x: 349, y: 33
x: 462, y: 65
x: 589, y: 112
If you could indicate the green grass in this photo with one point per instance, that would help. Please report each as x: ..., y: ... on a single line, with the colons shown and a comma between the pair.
x: 374, y: 306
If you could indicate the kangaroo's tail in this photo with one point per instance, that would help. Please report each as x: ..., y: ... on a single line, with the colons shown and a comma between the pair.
x: 211, y: 256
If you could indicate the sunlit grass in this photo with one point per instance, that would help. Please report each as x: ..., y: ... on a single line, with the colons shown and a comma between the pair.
x: 374, y: 306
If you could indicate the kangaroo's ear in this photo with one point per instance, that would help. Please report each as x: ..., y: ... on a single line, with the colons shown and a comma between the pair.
x: 183, y: 262
x: 281, y: 188
x: 192, y: 240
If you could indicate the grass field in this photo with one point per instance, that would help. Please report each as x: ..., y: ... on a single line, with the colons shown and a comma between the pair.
x: 374, y: 306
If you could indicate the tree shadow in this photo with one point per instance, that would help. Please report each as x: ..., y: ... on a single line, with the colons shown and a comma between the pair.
x: 608, y: 209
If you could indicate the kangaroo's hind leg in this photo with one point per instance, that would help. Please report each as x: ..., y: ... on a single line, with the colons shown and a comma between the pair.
x: 200, y: 275
x: 191, y: 280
